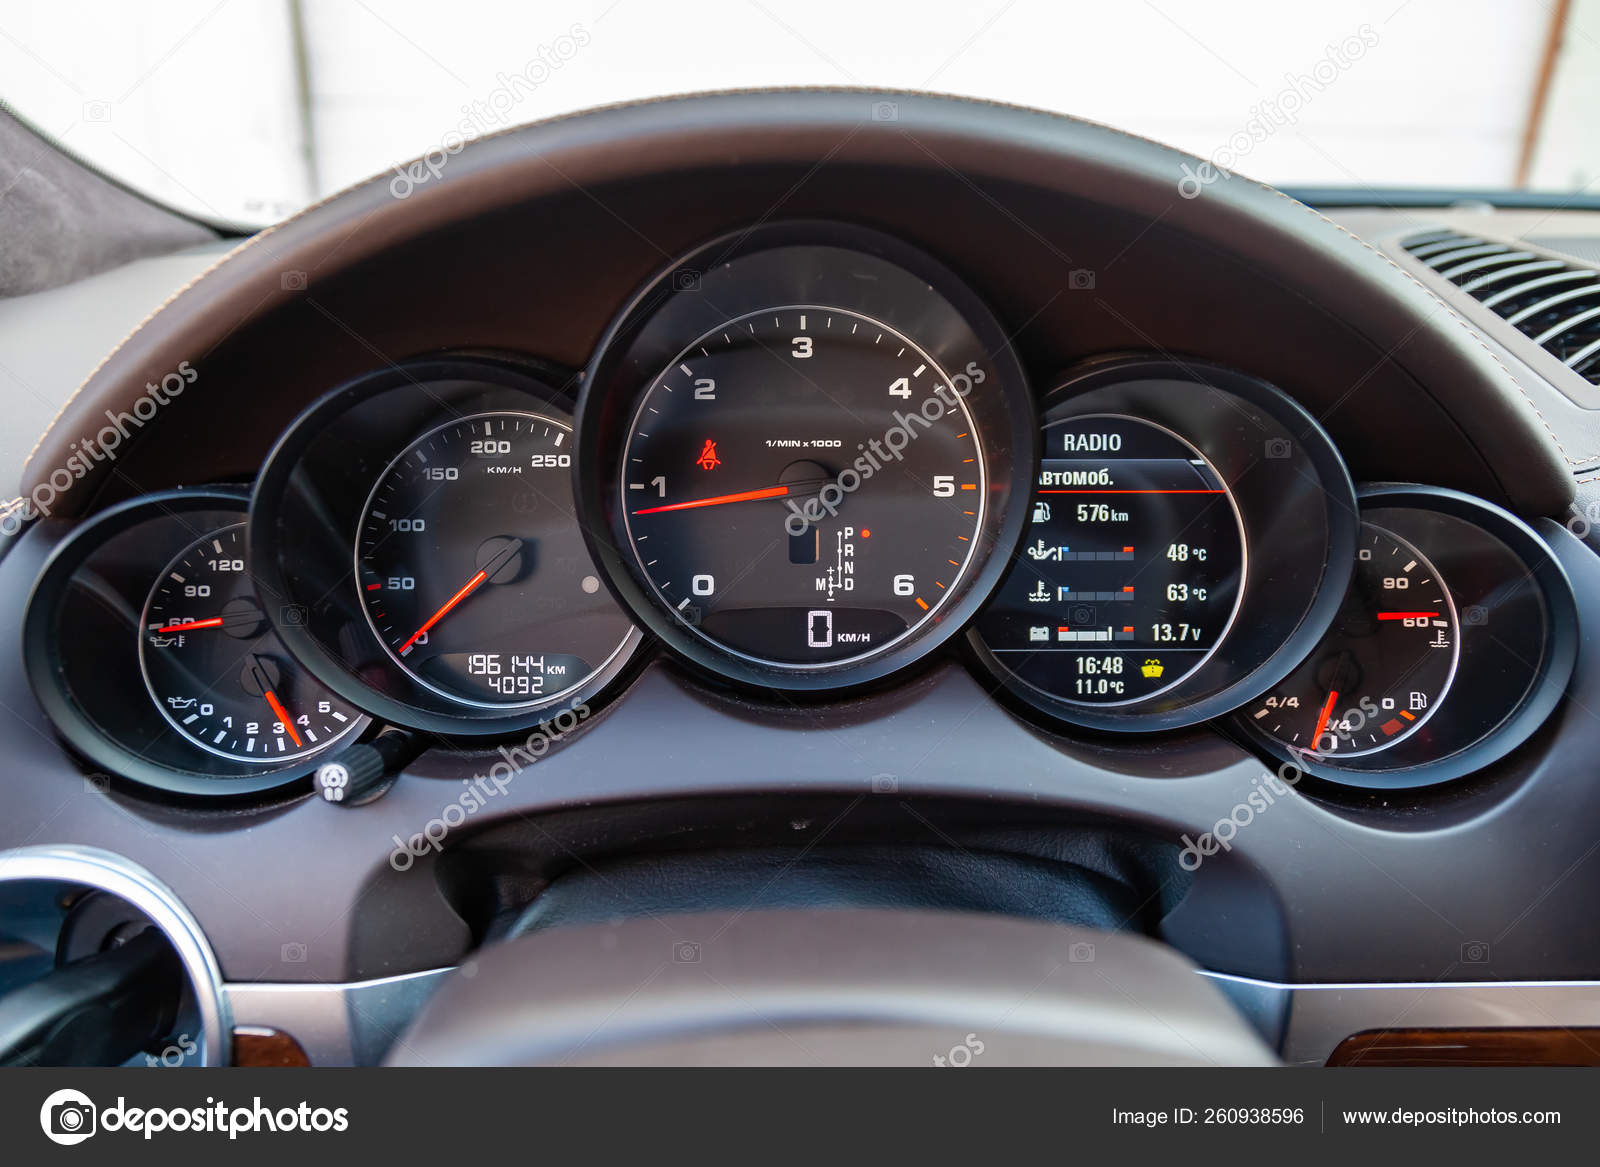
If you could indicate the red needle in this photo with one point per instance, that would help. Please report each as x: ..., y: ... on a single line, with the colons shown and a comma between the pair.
x: 1406, y: 615
x: 466, y: 590
x: 718, y: 500
x: 282, y: 715
x: 1322, y: 721
x: 214, y: 622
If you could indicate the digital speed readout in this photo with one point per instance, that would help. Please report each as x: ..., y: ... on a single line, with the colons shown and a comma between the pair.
x: 1130, y: 571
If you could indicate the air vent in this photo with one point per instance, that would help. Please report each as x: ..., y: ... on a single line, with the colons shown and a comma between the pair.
x: 1554, y: 302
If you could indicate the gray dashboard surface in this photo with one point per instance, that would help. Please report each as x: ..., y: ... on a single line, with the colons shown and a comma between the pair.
x: 51, y: 340
x: 1569, y: 407
x: 1495, y: 880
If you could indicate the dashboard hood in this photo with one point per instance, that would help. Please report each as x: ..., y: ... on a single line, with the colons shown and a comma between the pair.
x: 1267, y: 246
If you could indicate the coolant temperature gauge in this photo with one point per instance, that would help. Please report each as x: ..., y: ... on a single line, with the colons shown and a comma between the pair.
x: 1384, y: 668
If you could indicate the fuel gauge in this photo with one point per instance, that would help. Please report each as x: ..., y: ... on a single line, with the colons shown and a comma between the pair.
x: 1383, y: 669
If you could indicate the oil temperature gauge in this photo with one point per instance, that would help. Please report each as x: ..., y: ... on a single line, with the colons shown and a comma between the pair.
x: 1383, y: 669
x: 217, y: 671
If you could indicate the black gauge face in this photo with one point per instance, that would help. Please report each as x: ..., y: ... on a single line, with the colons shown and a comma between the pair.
x: 472, y: 570
x: 804, y: 486
x: 216, y: 670
x: 1384, y: 668
x: 1131, y: 571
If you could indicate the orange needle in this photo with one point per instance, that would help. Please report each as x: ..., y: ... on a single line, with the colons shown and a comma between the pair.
x: 1405, y: 615
x: 1322, y: 722
x: 214, y: 622
x: 467, y: 589
x: 718, y: 500
x: 282, y: 715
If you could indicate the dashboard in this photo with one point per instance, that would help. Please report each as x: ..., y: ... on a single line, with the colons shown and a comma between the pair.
x: 551, y: 520
x: 807, y: 470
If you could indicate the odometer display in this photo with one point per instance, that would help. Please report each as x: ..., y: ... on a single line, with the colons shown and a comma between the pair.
x: 471, y: 566
x: 805, y: 486
x: 1131, y: 571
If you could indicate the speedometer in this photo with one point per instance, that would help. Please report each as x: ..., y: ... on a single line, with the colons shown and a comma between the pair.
x: 471, y: 570
x: 417, y: 529
x: 799, y: 450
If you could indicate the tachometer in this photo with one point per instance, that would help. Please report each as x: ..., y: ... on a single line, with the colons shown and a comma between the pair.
x: 799, y: 450
x: 804, y: 485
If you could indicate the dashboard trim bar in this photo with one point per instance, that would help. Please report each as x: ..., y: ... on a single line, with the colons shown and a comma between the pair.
x: 1317, y: 1017
x: 355, y: 1022
x: 343, y: 1024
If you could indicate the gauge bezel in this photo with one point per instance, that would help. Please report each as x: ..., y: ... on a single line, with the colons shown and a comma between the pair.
x: 210, y: 776
x: 1305, y: 496
x: 812, y: 263
x: 1538, y: 700
x: 311, y: 495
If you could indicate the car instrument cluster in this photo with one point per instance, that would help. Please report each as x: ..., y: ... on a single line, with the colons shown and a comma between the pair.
x: 803, y: 462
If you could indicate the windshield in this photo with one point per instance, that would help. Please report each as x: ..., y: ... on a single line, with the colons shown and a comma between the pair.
x: 247, y: 110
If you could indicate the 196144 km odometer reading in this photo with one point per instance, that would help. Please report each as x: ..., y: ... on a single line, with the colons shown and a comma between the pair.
x: 1131, y: 571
